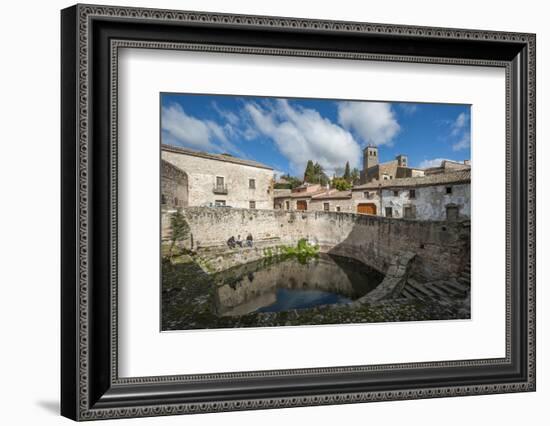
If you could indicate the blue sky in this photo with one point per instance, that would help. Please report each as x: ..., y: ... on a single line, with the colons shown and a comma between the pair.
x: 285, y: 133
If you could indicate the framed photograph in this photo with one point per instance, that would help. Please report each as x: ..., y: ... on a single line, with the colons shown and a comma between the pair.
x: 263, y: 212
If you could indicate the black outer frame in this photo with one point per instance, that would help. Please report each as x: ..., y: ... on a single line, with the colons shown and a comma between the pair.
x: 90, y: 387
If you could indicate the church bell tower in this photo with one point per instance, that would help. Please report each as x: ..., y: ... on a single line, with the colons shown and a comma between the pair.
x: 370, y: 157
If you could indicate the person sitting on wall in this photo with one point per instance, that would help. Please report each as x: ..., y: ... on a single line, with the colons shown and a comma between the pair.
x: 249, y: 240
x: 238, y: 241
x: 231, y: 242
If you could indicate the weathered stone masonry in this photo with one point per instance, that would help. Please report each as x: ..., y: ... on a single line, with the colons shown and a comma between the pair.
x: 441, y: 247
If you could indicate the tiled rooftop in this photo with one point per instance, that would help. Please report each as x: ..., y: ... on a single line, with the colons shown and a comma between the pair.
x: 219, y: 157
x: 462, y: 176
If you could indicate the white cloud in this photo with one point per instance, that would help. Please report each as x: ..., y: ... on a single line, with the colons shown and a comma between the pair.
x: 227, y: 115
x: 236, y: 125
x: 463, y: 142
x: 180, y: 128
x: 374, y: 122
x: 302, y: 134
x: 278, y: 173
x: 408, y: 109
x: 459, y: 124
x: 460, y: 131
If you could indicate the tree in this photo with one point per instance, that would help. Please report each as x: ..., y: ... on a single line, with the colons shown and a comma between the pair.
x: 314, y: 173
x: 309, y: 174
x: 355, y: 175
x: 347, y: 173
x: 180, y: 229
x: 319, y: 175
x: 292, y: 182
x: 341, y: 184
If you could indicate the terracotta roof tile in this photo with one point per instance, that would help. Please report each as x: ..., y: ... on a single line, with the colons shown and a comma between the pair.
x: 461, y: 176
x: 332, y: 194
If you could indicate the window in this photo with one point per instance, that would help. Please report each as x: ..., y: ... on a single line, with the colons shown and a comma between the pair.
x: 326, y: 207
x: 163, y: 199
x: 409, y: 212
x: 176, y: 201
x: 252, y: 204
x: 219, y: 203
x: 337, y: 208
x: 412, y: 193
x: 449, y: 190
x: 452, y: 212
x: 219, y: 181
x: 287, y: 205
x: 396, y: 193
x: 252, y: 183
x: 389, y: 212
x: 366, y: 194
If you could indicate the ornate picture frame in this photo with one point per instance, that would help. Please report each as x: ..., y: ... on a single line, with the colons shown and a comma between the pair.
x: 91, y: 37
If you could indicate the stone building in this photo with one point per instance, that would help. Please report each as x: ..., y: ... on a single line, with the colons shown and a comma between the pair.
x: 332, y: 201
x: 441, y: 196
x: 298, y: 198
x: 448, y: 166
x: 366, y: 200
x: 395, y: 169
x: 281, y: 199
x: 174, y: 186
x: 192, y: 178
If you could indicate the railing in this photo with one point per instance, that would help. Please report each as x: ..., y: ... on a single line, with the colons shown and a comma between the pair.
x: 220, y: 189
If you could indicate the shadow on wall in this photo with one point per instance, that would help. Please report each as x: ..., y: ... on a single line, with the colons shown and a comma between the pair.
x: 442, y: 248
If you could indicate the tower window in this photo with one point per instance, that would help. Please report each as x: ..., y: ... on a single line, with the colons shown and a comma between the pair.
x: 449, y: 190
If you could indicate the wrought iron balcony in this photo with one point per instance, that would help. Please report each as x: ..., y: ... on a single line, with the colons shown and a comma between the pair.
x: 220, y: 189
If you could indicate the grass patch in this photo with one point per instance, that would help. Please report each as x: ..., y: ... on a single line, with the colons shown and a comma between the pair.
x: 303, y: 251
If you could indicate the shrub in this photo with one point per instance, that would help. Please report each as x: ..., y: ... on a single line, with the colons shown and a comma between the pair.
x: 180, y: 229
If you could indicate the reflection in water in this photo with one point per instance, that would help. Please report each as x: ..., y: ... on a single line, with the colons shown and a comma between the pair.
x: 276, y: 285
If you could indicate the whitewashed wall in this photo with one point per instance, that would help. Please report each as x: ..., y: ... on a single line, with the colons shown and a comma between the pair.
x: 430, y: 201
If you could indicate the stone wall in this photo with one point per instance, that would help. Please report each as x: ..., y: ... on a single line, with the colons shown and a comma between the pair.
x: 173, y: 186
x: 429, y: 202
x: 202, y: 173
x: 441, y: 248
x: 346, y: 205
